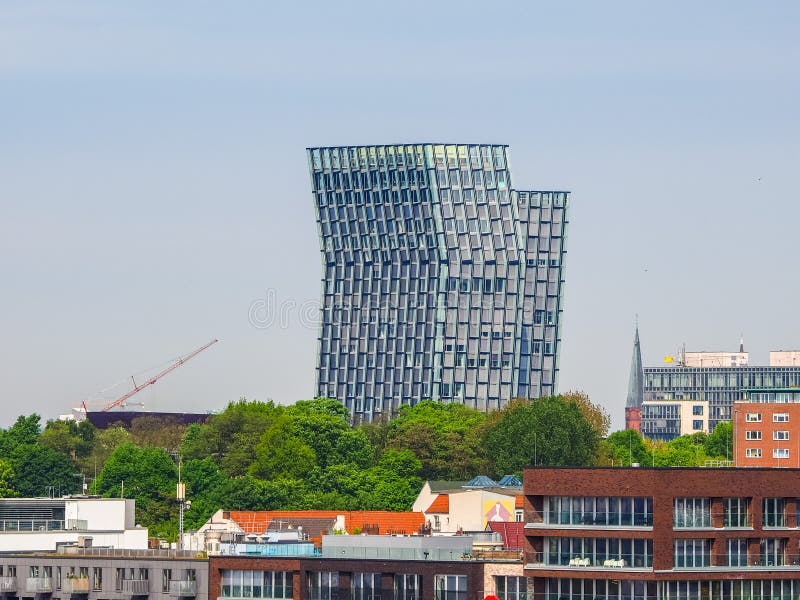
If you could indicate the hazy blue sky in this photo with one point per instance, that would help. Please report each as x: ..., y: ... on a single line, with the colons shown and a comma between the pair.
x: 153, y: 179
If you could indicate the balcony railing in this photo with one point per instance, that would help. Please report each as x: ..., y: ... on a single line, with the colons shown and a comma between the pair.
x: 75, y: 585
x: 8, y: 584
x: 183, y: 589
x: 136, y: 587
x: 43, y: 525
x: 39, y: 585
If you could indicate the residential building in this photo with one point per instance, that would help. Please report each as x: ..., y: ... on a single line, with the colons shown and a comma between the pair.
x: 664, y: 533
x: 667, y: 419
x: 103, y: 573
x: 44, y: 524
x: 766, y: 429
x: 453, y: 506
x: 372, y: 567
x: 441, y: 280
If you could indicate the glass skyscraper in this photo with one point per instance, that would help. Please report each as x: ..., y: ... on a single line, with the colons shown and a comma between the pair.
x: 440, y: 279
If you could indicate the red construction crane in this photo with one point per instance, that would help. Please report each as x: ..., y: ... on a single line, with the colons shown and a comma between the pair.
x: 138, y: 387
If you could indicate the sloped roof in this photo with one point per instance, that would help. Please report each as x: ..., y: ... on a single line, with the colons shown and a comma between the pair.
x: 441, y: 505
x: 512, y: 532
x: 519, y: 501
x: 510, y: 481
x: 314, y: 527
x: 481, y: 481
x: 379, y: 521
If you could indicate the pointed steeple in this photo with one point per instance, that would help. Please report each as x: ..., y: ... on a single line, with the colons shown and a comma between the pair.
x: 636, y: 378
x: 741, y: 343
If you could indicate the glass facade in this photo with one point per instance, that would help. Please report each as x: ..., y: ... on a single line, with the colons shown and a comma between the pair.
x: 441, y: 281
x: 588, y: 552
x: 610, y: 511
x: 255, y: 584
x: 720, y: 386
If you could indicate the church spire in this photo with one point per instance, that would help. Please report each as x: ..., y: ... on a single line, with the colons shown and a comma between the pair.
x: 636, y: 378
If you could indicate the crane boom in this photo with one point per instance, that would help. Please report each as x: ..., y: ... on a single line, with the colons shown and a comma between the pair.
x: 139, y: 387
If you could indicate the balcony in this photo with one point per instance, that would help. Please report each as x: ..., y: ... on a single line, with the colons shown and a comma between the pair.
x: 183, y: 589
x: 75, y: 586
x: 8, y: 585
x: 39, y: 585
x: 136, y: 587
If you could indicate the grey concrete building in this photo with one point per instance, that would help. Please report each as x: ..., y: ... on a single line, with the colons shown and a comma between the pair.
x: 441, y: 280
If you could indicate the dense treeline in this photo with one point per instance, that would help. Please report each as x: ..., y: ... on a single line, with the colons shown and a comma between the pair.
x: 261, y: 456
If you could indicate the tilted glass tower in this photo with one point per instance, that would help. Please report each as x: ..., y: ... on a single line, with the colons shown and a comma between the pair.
x: 441, y: 281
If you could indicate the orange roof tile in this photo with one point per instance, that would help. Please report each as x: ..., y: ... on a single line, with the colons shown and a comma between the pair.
x: 441, y: 505
x: 375, y: 521
x: 519, y: 501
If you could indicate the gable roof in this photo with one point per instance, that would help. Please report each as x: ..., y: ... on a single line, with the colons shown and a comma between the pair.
x: 440, y: 505
x: 512, y: 532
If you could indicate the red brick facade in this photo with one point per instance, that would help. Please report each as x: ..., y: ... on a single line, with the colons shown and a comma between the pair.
x: 774, y: 442
x: 713, y: 486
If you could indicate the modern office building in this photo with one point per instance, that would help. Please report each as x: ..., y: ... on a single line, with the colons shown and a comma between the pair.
x: 766, y: 429
x: 662, y: 534
x: 441, y: 280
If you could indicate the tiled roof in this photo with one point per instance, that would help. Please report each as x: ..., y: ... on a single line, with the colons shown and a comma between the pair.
x: 512, y: 532
x: 314, y: 527
x: 441, y: 505
x: 377, y: 521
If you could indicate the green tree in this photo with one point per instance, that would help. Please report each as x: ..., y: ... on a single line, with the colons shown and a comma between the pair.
x: 626, y: 447
x: 39, y: 471
x: 719, y: 442
x: 444, y: 437
x: 7, y: 479
x: 548, y: 431
x: 24, y: 432
x: 281, y: 453
x: 71, y: 439
x: 595, y: 414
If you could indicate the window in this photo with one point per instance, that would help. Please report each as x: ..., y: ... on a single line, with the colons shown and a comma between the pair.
x: 773, y: 512
x: 780, y: 453
x: 119, y: 577
x: 753, y: 417
x: 736, y: 512
x: 773, y: 552
x: 780, y: 418
x: 323, y: 585
x: 692, y: 553
x: 407, y: 587
x: 697, y: 424
x: 752, y: 435
x: 450, y: 587
x: 780, y: 435
x: 97, y: 578
x: 253, y: 584
x: 692, y: 512
x: 599, y: 551
x: 166, y: 577
x: 697, y: 411
x: 365, y: 586
x: 753, y: 453
x: 509, y: 587
x: 737, y: 553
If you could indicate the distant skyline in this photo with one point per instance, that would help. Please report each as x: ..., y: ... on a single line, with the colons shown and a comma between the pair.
x: 153, y: 169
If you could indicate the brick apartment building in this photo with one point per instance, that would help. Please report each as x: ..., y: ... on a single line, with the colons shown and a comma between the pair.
x: 672, y: 533
x: 766, y: 429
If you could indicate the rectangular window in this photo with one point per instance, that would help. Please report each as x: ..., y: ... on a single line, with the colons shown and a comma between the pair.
x: 450, y: 587
x: 407, y: 587
x: 166, y: 577
x: 753, y: 417
x: 752, y: 435
x: 780, y: 435
x: 780, y: 453
x: 753, y: 453
x: 697, y: 411
x: 692, y: 553
x: 737, y: 553
x: 736, y: 512
x: 692, y: 512
x: 774, y: 512
x: 97, y: 578
x: 697, y: 424
x: 780, y: 418
x: 509, y: 587
x: 365, y: 586
x: 323, y: 585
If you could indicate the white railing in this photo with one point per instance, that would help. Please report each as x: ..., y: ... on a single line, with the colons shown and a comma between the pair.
x: 8, y: 584
x: 136, y: 587
x: 39, y: 585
